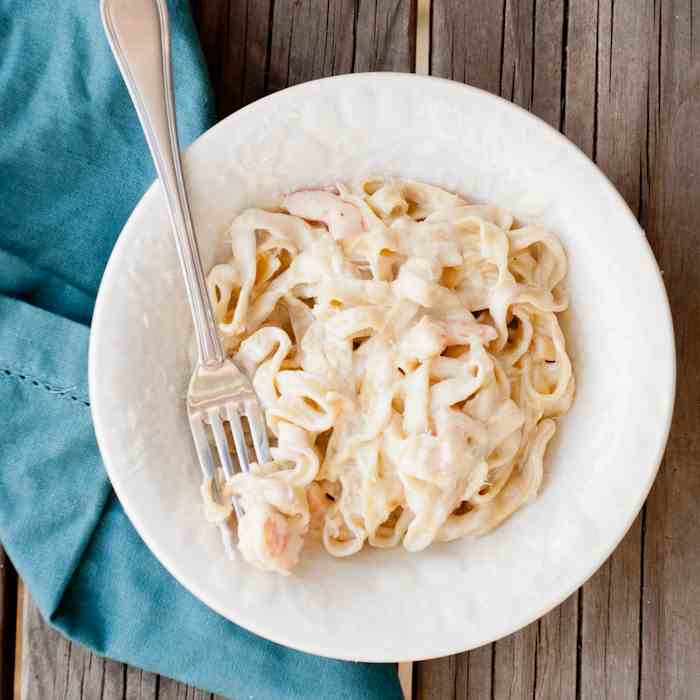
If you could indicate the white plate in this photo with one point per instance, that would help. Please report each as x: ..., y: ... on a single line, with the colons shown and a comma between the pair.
x: 392, y: 605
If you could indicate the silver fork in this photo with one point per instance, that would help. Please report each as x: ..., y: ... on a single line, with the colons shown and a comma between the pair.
x: 219, y: 392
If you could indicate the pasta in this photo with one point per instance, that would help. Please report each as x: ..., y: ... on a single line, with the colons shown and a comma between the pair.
x: 406, y: 350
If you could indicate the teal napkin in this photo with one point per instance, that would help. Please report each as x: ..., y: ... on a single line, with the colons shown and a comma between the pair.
x: 73, y: 163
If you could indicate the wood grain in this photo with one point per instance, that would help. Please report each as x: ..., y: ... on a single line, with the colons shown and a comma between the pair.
x: 235, y: 41
x: 515, y: 49
x: 579, y: 113
x: 385, y: 37
x: 467, y: 42
x: 671, y: 575
x: 435, y: 678
x: 515, y: 664
x: 622, y: 80
x: 310, y: 40
x: 556, y: 653
x: 56, y: 669
x: 610, y: 616
x: 316, y: 39
x: 475, y: 674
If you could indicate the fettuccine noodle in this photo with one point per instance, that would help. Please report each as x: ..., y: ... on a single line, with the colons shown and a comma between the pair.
x: 406, y: 350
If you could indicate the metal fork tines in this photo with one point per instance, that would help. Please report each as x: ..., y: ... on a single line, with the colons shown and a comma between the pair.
x: 216, y: 397
x: 219, y: 392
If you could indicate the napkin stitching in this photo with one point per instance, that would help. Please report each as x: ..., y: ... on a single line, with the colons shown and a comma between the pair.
x: 56, y: 391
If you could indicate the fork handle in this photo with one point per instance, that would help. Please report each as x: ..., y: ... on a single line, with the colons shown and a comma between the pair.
x: 139, y: 36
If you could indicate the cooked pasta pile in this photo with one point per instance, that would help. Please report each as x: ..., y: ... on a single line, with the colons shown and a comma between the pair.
x: 406, y: 350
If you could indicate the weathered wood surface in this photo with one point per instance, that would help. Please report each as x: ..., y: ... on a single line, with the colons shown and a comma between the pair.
x: 254, y: 47
x: 55, y: 669
x: 671, y: 184
x: 621, y: 78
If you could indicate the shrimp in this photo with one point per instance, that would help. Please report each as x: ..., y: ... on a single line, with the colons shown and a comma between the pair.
x: 430, y: 337
x: 268, y: 539
x: 342, y: 218
x: 459, y: 331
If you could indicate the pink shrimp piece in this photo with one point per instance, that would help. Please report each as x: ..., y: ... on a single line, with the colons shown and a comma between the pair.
x: 342, y: 218
x: 458, y: 332
x: 276, y: 535
x: 429, y: 338
x: 268, y: 539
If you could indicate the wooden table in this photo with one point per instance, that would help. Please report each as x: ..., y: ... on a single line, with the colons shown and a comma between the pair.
x: 621, y: 78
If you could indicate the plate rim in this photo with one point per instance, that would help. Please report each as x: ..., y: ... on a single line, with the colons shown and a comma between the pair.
x: 667, y: 332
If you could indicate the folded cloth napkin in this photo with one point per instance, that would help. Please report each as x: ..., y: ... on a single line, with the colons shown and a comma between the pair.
x: 73, y: 163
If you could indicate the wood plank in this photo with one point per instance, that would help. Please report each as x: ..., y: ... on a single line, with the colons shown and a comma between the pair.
x: 516, y: 49
x: 245, y: 58
x: 385, y: 38
x: 581, y: 67
x: 39, y: 650
x: 104, y: 678
x: 172, y: 690
x: 671, y: 577
x: 310, y: 40
x: 56, y: 669
x: 549, y: 60
x: 624, y: 36
x: 540, y: 660
x: 315, y: 39
x: 579, y: 125
x: 517, y: 73
x: 235, y: 39
x: 610, y: 624
x: 475, y: 671
x: 211, y: 19
x: 556, y: 653
x: 435, y: 678
x: 140, y: 685
x: 610, y: 613
x: 467, y: 42
x: 8, y: 607
x: 514, y: 664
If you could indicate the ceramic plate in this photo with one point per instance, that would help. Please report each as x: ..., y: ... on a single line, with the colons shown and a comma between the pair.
x: 392, y: 605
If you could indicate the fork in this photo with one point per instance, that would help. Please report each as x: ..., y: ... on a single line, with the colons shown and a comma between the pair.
x: 218, y: 392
